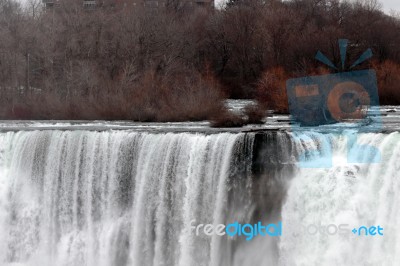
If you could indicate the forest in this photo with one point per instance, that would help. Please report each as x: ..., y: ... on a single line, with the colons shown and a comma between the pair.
x: 179, y: 63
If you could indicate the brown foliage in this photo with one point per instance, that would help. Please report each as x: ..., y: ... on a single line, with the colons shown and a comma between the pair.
x: 147, y: 65
x: 150, y: 97
x: 226, y: 118
x: 272, y: 89
x: 388, y: 75
x: 179, y: 96
x: 255, y: 114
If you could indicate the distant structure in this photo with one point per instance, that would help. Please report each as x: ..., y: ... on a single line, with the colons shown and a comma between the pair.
x: 92, y: 4
x: 49, y: 3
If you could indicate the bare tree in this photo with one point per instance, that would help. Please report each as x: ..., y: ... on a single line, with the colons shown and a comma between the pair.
x: 34, y: 8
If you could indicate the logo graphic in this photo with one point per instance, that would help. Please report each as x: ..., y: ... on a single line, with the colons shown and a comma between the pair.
x: 336, y: 230
x: 249, y: 231
x: 348, y: 98
x: 368, y: 231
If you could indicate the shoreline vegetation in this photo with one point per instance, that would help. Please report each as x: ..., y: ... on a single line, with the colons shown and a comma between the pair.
x: 180, y: 63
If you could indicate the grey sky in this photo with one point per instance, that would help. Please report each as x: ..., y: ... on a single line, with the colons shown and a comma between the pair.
x: 391, y: 4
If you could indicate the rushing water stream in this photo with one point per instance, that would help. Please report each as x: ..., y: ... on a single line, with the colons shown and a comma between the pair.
x: 123, y: 197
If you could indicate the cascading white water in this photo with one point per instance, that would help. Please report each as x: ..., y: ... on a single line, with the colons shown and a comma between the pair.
x: 127, y: 198
x: 352, y: 194
x: 111, y: 198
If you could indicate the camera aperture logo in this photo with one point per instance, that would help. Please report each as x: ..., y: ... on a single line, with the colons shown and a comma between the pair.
x: 344, y: 97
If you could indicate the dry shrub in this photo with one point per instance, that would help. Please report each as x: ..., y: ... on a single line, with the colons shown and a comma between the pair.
x: 180, y: 95
x: 272, y: 90
x: 255, y: 114
x: 190, y: 96
x: 388, y: 75
x: 226, y: 118
x: 183, y: 95
x: 318, y: 71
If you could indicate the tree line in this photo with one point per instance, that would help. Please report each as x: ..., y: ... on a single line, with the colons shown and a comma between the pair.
x: 179, y: 63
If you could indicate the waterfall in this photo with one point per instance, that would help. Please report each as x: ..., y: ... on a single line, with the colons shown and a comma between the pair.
x: 113, y: 198
x: 347, y: 193
x: 128, y: 198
